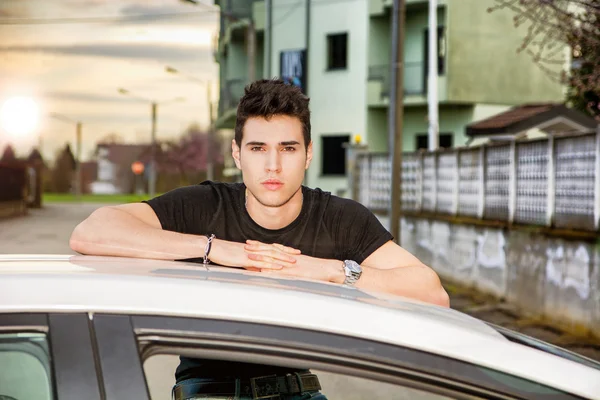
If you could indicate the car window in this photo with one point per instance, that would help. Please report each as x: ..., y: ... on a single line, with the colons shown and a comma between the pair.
x: 349, y: 362
x: 25, y: 371
x: 160, y: 375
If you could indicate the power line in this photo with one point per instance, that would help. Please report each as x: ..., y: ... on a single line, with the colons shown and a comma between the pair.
x: 287, y: 14
x: 120, y: 18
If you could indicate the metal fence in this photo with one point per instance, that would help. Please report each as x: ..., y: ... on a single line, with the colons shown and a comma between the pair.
x: 549, y: 182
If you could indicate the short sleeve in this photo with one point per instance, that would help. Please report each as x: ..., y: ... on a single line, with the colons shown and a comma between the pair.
x: 187, y: 209
x: 358, y: 232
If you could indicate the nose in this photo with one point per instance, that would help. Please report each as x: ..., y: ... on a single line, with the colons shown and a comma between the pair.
x: 273, y: 161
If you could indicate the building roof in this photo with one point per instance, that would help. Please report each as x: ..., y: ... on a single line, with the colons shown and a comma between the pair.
x: 549, y: 117
x: 119, y: 153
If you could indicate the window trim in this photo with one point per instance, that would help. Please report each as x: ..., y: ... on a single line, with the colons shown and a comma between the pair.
x: 394, y: 364
x: 74, y: 358
x: 329, y: 36
x: 118, y: 357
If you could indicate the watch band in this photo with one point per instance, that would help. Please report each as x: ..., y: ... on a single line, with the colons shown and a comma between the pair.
x: 353, y: 272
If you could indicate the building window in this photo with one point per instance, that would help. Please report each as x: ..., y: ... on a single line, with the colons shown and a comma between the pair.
x: 446, y: 141
x: 337, y: 51
x: 333, y: 154
x: 441, y: 50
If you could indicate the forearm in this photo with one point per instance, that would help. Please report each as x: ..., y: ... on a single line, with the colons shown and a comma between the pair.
x: 113, y: 232
x: 418, y: 282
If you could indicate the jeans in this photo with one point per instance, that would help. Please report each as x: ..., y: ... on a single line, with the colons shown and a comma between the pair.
x: 241, y: 393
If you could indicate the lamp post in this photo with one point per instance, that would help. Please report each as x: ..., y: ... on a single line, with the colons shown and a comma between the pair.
x: 210, y: 168
x: 153, y: 113
x: 78, y: 127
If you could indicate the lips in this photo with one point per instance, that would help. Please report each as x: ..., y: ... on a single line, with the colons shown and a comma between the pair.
x: 272, y: 184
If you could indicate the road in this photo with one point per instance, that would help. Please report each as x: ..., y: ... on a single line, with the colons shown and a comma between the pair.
x: 47, y: 231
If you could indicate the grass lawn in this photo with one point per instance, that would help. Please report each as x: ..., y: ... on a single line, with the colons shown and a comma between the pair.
x: 93, y: 198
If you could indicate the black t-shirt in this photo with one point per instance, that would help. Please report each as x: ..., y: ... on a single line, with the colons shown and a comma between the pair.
x: 327, y: 227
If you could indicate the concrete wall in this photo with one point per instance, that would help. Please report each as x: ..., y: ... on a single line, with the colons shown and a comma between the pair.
x: 554, y: 277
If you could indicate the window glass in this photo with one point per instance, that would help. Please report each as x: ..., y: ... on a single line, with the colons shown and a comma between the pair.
x: 25, y: 371
x: 160, y: 373
x: 337, y: 51
x: 334, y: 154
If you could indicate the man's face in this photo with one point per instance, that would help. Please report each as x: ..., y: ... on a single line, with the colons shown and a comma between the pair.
x: 273, y: 158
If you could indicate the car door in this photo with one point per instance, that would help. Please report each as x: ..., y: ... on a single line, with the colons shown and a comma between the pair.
x: 50, y: 357
x: 342, y: 357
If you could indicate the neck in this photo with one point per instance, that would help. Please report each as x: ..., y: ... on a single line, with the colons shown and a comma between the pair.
x: 274, y: 217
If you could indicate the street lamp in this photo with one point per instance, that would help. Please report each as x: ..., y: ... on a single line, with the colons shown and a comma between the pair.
x: 78, y: 125
x: 209, y: 156
x: 154, y: 106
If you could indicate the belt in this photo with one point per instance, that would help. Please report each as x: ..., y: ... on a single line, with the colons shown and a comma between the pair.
x: 263, y: 387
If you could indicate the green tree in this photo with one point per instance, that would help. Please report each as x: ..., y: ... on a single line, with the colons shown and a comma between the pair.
x: 63, y: 171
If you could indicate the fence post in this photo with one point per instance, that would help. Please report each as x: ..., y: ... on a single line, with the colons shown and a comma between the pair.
x: 420, y: 181
x: 370, y: 181
x: 435, y: 179
x: 456, y: 183
x: 481, y: 193
x: 551, y: 187
x: 512, y: 182
x: 597, y: 182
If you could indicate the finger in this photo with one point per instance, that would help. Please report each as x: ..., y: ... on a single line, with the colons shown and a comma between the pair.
x: 254, y: 269
x: 273, y: 254
x: 260, y: 261
x: 287, y: 249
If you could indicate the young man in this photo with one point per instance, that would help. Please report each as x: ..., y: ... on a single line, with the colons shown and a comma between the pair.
x: 270, y: 223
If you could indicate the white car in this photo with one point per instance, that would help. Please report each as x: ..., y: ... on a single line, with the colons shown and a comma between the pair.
x: 79, y: 327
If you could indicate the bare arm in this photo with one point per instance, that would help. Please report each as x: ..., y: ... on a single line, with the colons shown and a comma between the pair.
x: 389, y: 269
x: 132, y: 230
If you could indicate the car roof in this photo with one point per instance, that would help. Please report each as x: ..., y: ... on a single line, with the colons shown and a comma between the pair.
x: 57, y: 283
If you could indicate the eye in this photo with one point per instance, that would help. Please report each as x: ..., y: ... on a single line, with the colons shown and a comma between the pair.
x: 289, y: 148
x: 256, y: 148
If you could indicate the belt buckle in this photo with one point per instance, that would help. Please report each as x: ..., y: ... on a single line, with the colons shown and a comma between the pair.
x: 259, y: 393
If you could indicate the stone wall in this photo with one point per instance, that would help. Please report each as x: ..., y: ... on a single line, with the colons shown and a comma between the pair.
x: 552, y: 277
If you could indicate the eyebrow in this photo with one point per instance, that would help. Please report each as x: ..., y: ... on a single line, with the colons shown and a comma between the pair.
x: 286, y: 143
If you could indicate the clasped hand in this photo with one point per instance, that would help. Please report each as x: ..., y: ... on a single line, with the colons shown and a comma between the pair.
x: 275, y: 259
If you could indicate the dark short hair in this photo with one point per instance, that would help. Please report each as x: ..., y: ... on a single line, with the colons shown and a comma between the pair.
x: 270, y: 97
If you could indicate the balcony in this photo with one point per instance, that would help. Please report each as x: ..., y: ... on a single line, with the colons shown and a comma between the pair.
x: 231, y: 92
x: 379, y: 83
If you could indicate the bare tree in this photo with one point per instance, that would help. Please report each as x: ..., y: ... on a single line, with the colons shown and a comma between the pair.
x: 552, y: 24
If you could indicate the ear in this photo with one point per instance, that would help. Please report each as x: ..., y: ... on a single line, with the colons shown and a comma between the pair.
x: 309, y: 154
x: 235, y: 153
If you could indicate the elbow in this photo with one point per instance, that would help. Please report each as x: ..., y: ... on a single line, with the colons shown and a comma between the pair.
x: 441, y: 298
x: 83, y: 236
x: 436, y: 294
x: 77, y: 242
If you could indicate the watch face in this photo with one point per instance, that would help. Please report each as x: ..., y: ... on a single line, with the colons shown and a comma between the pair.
x: 354, y: 267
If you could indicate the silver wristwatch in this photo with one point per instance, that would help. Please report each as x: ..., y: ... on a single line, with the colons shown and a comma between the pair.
x: 353, y: 272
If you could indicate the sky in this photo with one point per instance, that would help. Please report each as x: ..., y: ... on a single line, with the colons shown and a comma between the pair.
x: 72, y: 56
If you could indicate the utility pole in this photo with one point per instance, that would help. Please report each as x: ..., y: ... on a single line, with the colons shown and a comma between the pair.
x: 251, y: 49
x: 78, y: 162
x: 396, y: 117
x: 432, y: 86
x: 267, y: 56
x: 210, y: 164
x: 152, y: 172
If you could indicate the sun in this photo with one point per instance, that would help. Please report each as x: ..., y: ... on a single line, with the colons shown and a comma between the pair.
x: 19, y: 116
